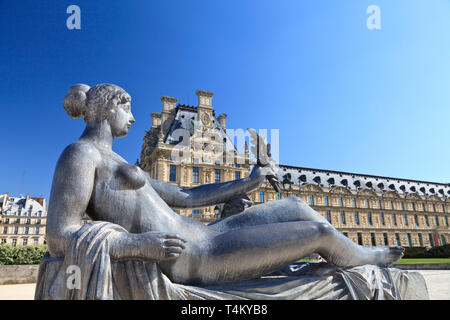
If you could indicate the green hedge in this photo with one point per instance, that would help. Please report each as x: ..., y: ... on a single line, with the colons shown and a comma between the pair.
x: 422, y: 252
x: 21, y: 254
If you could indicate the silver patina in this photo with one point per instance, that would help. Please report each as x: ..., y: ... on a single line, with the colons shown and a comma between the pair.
x: 91, y: 178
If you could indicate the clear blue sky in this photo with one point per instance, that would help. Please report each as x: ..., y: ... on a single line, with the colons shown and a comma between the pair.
x: 344, y: 97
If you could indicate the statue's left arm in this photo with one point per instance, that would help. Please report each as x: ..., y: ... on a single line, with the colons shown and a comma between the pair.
x: 208, y: 194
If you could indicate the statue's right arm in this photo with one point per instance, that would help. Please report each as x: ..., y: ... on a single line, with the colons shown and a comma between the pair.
x: 72, y: 187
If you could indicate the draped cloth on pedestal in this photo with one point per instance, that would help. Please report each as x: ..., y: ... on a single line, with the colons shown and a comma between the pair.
x: 99, y: 278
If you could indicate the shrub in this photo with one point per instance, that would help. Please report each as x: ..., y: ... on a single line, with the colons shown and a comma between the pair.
x: 440, y: 252
x: 422, y: 252
x: 10, y: 254
x: 415, y: 252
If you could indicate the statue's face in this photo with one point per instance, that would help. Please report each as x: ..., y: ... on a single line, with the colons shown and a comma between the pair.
x: 121, y: 120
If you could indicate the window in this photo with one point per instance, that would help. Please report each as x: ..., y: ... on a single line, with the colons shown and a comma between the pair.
x: 5, y: 230
x: 434, y: 208
x: 443, y: 240
x: 367, y: 204
x: 173, y: 173
x: 403, y: 205
x: 27, y: 230
x: 237, y: 165
x: 354, y: 202
x: 261, y: 196
x: 420, y: 240
x: 311, y: 200
x: 36, y: 241
x: 426, y: 221
x: 325, y: 201
x: 3, y: 241
x: 423, y: 207
x: 397, y: 238
x: 357, y: 218
x: 25, y: 241
x: 343, y: 217
x: 329, y: 216
x: 446, y: 221
x: 409, y: 240
x: 416, y: 219
x: 391, y: 205
x: 379, y: 204
x: 385, y: 238
x: 195, y: 175
x: 372, y: 239
x: 430, y: 238
x: 237, y: 175
x: 195, y: 211
x: 278, y: 196
x: 345, y: 234
x: 359, y: 238
x: 28, y: 221
x: 36, y: 230
x: 414, y: 206
x: 217, y: 175
x: 14, y: 242
x: 16, y: 230
x: 436, y: 219
x: 382, y: 218
x: 369, y: 218
x: 340, y: 202
x: 405, y: 219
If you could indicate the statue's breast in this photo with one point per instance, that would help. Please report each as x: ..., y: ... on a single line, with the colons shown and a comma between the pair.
x: 129, y: 176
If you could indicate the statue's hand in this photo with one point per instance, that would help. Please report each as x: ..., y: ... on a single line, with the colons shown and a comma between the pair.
x: 268, y: 171
x: 236, y: 205
x: 160, y: 246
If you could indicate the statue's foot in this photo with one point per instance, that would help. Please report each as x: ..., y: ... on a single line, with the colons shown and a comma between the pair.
x: 382, y: 256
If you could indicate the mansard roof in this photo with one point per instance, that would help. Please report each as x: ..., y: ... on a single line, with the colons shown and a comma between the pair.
x: 186, y: 117
x: 357, y: 182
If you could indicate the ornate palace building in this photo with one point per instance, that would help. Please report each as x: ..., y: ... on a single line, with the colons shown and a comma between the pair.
x: 189, y: 146
x: 22, y: 220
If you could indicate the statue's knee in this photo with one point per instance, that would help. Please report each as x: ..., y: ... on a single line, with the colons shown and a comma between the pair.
x: 325, y: 229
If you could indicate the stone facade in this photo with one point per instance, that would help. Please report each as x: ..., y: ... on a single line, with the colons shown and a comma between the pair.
x: 370, y: 210
x: 22, y: 220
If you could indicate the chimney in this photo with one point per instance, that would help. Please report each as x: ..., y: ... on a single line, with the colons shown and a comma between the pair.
x: 156, y: 119
x: 168, y: 104
x: 168, y: 113
x: 221, y: 118
x: 204, y: 99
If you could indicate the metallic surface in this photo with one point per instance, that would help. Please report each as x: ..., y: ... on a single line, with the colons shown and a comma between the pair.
x: 91, y: 178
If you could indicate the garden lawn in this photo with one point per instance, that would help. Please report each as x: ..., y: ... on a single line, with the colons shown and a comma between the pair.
x: 424, y: 260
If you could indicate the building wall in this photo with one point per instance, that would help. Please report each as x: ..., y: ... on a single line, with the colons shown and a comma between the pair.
x: 375, y: 214
x: 23, y: 220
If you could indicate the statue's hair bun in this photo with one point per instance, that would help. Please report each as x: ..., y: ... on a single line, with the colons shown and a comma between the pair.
x: 75, y: 101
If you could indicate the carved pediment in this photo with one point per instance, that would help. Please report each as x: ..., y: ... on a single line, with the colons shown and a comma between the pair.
x: 434, y: 197
x: 414, y: 196
x: 367, y: 192
x: 311, y: 187
x: 391, y: 194
x: 340, y: 190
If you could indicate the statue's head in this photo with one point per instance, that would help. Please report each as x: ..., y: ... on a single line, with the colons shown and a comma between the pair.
x: 99, y: 103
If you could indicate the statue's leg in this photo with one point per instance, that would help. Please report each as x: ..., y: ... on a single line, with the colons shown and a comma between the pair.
x: 253, y: 251
x: 289, y: 209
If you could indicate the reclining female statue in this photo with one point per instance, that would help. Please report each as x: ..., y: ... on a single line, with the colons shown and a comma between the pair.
x: 91, y: 178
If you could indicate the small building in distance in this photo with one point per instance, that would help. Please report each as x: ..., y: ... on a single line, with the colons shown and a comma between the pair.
x: 22, y: 220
